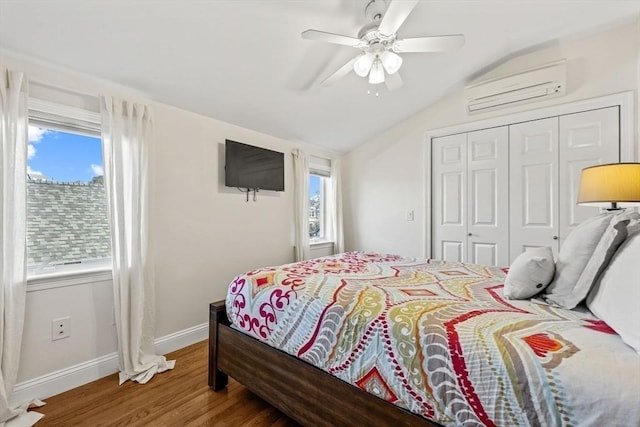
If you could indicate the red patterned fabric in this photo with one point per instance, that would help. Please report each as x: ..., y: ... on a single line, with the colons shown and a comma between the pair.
x: 439, y: 339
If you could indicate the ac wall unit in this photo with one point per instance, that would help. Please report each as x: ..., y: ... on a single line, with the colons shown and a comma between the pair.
x: 530, y: 85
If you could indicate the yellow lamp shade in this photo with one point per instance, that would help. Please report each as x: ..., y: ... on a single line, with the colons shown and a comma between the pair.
x: 614, y: 183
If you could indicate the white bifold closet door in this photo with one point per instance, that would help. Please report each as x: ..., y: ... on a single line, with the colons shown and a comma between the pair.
x: 449, y: 197
x: 586, y: 139
x: 488, y: 198
x: 533, y: 207
x: 471, y: 197
x: 546, y: 160
x: 498, y: 191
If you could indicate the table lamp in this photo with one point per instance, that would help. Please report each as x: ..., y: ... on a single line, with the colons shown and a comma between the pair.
x: 609, y: 185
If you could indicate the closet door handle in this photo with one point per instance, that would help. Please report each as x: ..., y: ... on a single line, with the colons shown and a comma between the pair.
x: 469, y: 234
x: 555, y: 237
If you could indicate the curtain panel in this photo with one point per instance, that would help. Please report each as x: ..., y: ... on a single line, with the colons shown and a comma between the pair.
x: 301, y: 204
x: 13, y: 246
x: 126, y: 133
x: 335, y: 208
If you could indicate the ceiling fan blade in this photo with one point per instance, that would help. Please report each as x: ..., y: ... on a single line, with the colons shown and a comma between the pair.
x: 342, y: 71
x: 323, y: 36
x: 395, y: 15
x: 393, y: 81
x: 429, y: 44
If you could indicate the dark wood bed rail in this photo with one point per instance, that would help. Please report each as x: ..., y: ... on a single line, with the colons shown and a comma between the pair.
x: 217, y: 318
x: 305, y: 393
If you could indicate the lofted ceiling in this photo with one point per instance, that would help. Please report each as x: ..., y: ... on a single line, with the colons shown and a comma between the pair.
x: 244, y: 62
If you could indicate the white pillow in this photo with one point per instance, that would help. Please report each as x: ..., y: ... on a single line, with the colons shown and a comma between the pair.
x: 529, y: 273
x: 584, y: 255
x: 616, y: 298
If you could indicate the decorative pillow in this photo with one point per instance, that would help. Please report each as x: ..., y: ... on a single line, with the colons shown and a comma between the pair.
x: 574, y: 256
x: 529, y: 273
x: 584, y: 255
x: 615, y: 299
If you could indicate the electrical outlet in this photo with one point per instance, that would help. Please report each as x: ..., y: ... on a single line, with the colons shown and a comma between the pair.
x: 410, y: 215
x: 60, y: 328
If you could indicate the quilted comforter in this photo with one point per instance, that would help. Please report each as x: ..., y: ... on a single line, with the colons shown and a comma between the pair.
x: 439, y: 339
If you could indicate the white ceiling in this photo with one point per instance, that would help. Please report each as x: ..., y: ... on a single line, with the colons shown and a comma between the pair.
x: 244, y: 62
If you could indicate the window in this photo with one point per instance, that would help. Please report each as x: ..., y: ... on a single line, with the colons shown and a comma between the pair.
x: 317, y: 204
x: 67, y: 220
x: 319, y: 183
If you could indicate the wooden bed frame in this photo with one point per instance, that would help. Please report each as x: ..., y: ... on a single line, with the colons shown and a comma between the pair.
x: 305, y: 393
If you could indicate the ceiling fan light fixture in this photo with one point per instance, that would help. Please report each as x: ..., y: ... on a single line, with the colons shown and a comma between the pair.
x: 391, y: 61
x: 376, y: 76
x: 379, y: 45
x: 363, y: 64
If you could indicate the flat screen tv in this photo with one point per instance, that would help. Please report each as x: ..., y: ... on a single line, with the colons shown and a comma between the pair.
x: 250, y: 167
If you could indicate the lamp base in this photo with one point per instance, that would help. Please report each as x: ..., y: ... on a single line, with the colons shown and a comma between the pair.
x: 614, y: 207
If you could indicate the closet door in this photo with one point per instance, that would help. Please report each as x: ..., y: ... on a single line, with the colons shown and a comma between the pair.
x: 488, y: 196
x: 533, y: 185
x: 586, y: 139
x: 449, y: 175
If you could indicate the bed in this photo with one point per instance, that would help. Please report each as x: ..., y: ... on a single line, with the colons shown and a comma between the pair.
x: 369, y: 339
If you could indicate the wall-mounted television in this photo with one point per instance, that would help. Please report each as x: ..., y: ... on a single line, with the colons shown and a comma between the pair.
x: 250, y: 167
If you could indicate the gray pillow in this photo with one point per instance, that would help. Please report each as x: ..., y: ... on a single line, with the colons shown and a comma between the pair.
x: 584, y: 256
x: 529, y: 273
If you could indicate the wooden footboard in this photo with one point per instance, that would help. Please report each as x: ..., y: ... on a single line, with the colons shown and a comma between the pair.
x: 303, y: 392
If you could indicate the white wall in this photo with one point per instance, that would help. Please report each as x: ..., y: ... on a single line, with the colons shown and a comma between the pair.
x: 202, y: 233
x: 385, y: 177
x: 92, y: 329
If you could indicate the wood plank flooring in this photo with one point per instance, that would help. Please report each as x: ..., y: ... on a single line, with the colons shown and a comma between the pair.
x: 179, y: 397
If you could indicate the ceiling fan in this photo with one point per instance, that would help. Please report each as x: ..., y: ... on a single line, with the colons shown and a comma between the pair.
x: 380, y: 47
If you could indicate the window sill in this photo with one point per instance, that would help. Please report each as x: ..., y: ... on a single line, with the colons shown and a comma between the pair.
x: 68, y: 278
x: 321, y: 244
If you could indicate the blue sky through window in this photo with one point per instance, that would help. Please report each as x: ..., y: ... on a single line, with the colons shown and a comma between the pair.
x: 314, y: 185
x: 62, y: 156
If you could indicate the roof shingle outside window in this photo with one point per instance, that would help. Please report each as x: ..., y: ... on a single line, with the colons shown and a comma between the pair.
x: 66, y: 222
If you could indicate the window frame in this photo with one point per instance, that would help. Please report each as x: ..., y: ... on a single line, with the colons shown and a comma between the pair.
x: 322, y: 236
x: 322, y: 168
x: 68, y: 119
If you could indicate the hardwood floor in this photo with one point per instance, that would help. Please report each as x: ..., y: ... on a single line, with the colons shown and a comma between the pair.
x: 180, y: 397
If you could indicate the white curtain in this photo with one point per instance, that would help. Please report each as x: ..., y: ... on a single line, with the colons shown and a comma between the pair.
x: 13, y: 235
x: 126, y: 129
x: 301, y: 204
x: 334, y: 201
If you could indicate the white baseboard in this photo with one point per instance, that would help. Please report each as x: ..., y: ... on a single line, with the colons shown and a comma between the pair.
x: 65, y: 379
x: 74, y: 376
x: 182, y: 339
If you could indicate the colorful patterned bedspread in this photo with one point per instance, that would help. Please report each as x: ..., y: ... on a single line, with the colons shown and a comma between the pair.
x: 438, y: 339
